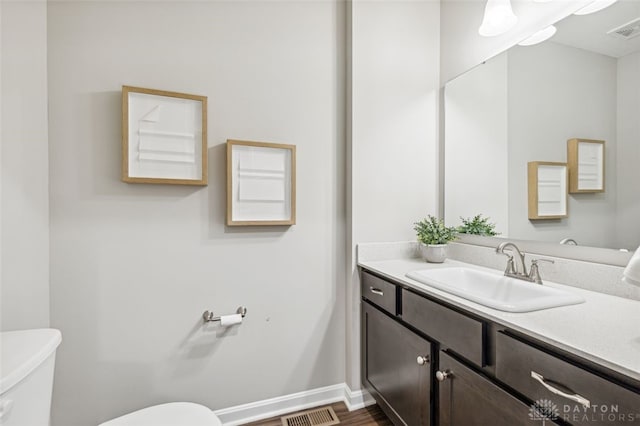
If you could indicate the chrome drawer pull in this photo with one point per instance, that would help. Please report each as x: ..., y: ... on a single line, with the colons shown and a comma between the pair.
x: 575, y: 397
x: 376, y: 291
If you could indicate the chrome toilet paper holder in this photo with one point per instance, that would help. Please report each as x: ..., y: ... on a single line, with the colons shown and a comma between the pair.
x: 208, y: 316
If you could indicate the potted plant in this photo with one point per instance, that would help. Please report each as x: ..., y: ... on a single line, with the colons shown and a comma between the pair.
x: 434, y: 237
x: 478, y: 225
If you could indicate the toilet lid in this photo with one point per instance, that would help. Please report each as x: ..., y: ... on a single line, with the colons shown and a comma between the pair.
x: 171, y: 414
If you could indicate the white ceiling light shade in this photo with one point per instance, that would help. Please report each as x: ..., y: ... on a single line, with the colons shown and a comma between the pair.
x: 595, y: 6
x: 498, y: 18
x: 539, y: 37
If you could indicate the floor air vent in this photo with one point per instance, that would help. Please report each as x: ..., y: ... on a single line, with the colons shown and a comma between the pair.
x: 320, y: 417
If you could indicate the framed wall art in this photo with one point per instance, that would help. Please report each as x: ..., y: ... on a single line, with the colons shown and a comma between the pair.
x: 585, y: 158
x: 261, y: 183
x: 547, y: 188
x: 164, y: 137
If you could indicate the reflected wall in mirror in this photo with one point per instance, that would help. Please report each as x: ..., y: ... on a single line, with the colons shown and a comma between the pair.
x: 524, y: 105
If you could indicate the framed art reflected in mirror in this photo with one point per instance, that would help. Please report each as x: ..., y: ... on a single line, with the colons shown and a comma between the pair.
x: 585, y: 160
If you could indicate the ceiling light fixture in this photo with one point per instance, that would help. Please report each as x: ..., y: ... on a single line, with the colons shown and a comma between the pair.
x: 498, y: 18
x: 539, y: 37
x: 595, y: 6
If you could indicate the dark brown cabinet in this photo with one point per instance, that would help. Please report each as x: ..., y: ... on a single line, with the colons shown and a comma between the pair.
x: 379, y: 292
x: 578, y: 396
x: 429, y: 363
x: 461, y: 333
x: 396, y: 368
x: 469, y: 399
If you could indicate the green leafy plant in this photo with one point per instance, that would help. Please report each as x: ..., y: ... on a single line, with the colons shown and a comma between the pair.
x: 477, y: 225
x: 431, y: 230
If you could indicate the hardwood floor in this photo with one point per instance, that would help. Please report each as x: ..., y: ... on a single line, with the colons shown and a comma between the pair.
x: 368, y: 416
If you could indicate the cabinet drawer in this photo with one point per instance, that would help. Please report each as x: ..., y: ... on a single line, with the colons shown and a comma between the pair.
x: 379, y: 292
x: 585, y: 399
x: 462, y: 334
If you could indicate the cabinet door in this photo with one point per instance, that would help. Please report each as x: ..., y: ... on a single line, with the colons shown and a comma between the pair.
x: 469, y: 399
x: 392, y: 366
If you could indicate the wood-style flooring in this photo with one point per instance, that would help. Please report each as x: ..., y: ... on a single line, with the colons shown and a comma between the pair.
x: 368, y: 416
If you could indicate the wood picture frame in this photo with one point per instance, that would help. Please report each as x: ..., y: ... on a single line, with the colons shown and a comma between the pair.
x: 164, y: 137
x: 261, y: 183
x: 547, y: 190
x: 585, y: 160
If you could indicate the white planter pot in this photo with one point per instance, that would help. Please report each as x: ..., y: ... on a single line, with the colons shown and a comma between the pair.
x: 434, y: 253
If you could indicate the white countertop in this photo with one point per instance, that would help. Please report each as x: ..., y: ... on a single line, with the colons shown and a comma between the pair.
x: 605, y: 329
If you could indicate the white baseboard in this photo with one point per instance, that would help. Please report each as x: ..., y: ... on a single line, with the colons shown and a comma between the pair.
x: 253, y: 411
x: 355, y: 400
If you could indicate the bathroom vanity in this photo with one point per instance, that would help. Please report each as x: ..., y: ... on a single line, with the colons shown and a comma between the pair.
x: 432, y: 358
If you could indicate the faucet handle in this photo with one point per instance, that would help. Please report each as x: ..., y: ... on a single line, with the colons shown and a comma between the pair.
x: 535, y: 261
x: 534, y: 273
x: 511, y: 268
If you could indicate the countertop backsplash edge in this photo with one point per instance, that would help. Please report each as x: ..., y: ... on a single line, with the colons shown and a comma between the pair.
x: 591, y: 276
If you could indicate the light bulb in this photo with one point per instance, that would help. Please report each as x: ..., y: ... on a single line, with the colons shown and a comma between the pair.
x: 498, y: 18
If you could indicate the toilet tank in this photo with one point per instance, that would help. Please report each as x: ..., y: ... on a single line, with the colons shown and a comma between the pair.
x: 27, y: 359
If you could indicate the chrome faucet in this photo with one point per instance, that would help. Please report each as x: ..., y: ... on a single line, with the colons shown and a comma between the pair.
x: 518, y: 269
x: 515, y: 270
x: 569, y: 241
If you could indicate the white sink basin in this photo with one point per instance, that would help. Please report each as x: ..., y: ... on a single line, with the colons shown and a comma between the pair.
x: 495, y: 290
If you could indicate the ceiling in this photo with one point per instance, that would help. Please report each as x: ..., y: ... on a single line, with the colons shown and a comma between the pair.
x: 589, y: 32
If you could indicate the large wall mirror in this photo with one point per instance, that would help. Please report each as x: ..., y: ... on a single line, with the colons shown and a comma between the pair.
x: 525, y: 104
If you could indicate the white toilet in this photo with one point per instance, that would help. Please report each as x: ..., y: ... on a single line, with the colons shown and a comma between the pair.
x: 171, y: 414
x: 27, y: 359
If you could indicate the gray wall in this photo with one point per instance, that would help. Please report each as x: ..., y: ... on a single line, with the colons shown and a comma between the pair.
x: 476, y: 153
x: 557, y: 93
x: 549, y: 93
x: 134, y: 266
x: 395, y: 50
x: 24, y: 213
x: 628, y: 154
